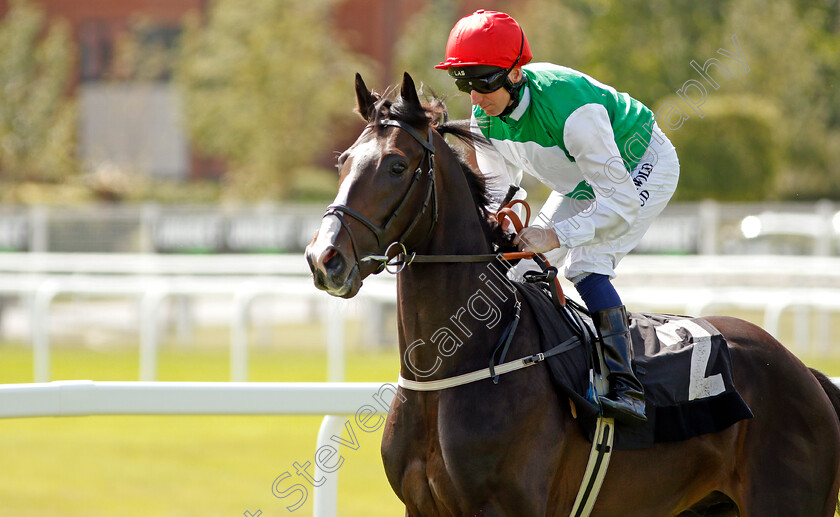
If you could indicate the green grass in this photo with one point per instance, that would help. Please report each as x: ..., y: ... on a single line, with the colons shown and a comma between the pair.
x: 187, y: 465
x: 190, y: 466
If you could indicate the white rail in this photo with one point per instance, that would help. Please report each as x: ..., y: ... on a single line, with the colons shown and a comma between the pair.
x: 153, y: 264
x: 767, y: 270
x: 78, y: 398
x: 695, y: 285
x: 762, y: 269
x: 153, y: 291
x: 75, y: 398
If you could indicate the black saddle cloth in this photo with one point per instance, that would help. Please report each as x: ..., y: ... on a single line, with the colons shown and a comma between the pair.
x: 683, y: 363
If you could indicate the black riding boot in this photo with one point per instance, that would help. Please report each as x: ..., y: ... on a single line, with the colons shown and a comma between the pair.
x: 626, y: 399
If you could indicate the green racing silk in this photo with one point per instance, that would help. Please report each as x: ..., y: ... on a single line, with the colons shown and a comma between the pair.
x: 576, y: 135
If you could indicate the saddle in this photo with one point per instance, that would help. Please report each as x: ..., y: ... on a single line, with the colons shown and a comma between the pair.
x: 683, y: 363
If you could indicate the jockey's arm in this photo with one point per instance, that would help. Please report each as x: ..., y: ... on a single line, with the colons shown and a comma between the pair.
x: 589, y: 138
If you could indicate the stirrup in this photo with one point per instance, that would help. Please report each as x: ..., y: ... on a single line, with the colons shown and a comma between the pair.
x: 621, y: 412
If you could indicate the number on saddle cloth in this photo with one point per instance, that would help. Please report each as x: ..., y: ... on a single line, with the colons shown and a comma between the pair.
x: 686, y: 369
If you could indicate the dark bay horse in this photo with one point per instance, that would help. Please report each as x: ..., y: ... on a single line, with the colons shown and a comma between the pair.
x: 514, y: 448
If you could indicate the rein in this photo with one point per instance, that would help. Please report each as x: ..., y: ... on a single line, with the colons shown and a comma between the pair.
x: 505, y: 213
x: 386, y: 261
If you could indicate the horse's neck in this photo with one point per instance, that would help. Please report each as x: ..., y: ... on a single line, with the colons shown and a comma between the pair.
x: 451, y: 314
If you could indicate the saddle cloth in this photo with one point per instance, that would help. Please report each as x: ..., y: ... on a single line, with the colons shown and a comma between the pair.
x: 683, y: 363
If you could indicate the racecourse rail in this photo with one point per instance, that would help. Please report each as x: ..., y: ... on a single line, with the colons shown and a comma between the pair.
x: 696, y: 285
x: 88, y: 398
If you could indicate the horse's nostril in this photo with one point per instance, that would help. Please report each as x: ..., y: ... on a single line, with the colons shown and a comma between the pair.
x: 332, y: 261
x: 328, y: 254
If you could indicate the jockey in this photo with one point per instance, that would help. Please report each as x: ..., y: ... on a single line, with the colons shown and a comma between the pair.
x: 609, y: 166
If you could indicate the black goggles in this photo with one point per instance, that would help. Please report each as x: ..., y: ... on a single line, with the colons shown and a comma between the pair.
x: 484, y: 84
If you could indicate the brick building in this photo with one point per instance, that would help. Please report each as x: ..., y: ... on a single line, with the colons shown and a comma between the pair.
x: 368, y: 25
x: 122, y: 122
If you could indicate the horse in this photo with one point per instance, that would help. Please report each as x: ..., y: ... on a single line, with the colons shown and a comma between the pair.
x: 514, y: 448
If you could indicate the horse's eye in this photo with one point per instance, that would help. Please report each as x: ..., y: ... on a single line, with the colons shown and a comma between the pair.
x: 398, y: 168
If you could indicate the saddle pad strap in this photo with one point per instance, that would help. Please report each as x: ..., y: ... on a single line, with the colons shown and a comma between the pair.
x: 510, y: 366
x: 458, y: 380
x: 596, y: 468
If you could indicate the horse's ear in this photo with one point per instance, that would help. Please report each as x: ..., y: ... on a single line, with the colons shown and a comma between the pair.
x: 408, y: 91
x: 364, y: 99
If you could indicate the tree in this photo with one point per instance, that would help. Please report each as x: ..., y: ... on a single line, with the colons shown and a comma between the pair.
x: 646, y: 48
x: 732, y: 153
x: 265, y: 85
x: 422, y: 46
x: 788, y: 48
x: 556, y: 31
x: 37, y: 119
x: 146, y: 52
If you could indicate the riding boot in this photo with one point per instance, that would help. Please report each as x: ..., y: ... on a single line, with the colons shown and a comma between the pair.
x: 626, y: 399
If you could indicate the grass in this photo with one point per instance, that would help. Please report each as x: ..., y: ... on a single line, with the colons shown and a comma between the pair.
x: 181, y: 466
x: 174, y: 466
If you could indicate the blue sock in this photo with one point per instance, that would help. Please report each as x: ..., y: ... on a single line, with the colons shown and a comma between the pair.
x: 598, y: 292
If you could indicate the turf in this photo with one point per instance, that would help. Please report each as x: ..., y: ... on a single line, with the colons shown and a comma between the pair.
x: 182, y: 466
x: 190, y: 466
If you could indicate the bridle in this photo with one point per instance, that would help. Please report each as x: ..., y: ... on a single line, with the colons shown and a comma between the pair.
x: 342, y: 211
x: 387, y: 261
x: 549, y: 274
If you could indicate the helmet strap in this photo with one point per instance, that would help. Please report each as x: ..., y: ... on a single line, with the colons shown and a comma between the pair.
x: 514, y: 90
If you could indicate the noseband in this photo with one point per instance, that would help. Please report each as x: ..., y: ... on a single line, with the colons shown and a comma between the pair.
x: 343, y: 211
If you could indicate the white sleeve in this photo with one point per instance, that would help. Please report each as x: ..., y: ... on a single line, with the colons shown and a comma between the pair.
x: 498, y: 173
x: 590, y: 140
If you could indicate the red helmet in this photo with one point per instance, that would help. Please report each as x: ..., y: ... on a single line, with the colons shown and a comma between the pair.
x: 486, y: 38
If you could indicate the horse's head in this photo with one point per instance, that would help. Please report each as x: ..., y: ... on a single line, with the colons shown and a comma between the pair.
x: 386, y: 199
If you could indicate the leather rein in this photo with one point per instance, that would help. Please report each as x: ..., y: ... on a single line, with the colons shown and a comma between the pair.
x: 395, y: 264
x: 599, y: 459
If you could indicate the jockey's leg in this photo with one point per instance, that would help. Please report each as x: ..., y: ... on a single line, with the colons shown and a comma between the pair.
x: 626, y: 399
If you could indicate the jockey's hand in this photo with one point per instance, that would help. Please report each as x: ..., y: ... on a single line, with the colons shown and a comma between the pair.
x: 538, y: 240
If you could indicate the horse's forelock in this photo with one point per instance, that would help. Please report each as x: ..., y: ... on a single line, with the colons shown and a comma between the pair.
x: 393, y: 106
x: 381, y: 111
x: 412, y: 114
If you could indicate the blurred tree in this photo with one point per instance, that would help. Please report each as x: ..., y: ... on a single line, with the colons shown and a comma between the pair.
x: 147, y: 51
x: 642, y: 47
x: 732, y: 153
x: 37, y: 119
x: 266, y: 84
x: 422, y: 46
x: 793, y: 58
x: 646, y: 47
x: 557, y: 31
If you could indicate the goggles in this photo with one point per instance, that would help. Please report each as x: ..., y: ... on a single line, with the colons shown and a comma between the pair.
x: 484, y: 84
